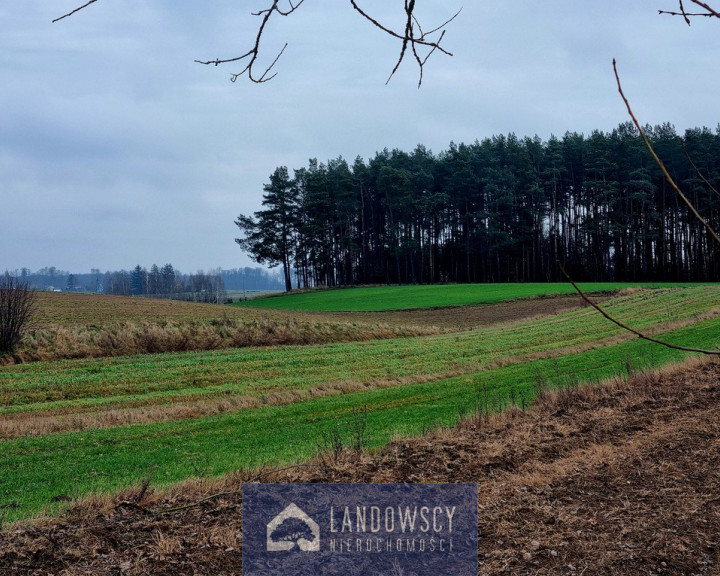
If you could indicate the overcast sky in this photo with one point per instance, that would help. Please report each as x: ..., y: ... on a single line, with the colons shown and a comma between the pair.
x: 116, y: 149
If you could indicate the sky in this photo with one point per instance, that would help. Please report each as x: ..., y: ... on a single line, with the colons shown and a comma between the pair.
x: 117, y: 149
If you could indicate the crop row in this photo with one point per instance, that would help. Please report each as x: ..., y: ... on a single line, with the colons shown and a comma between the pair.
x: 36, y: 471
x: 262, y: 372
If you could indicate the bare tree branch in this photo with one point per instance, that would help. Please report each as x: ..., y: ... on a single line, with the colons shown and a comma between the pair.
x: 669, y: 178
x: 710, y: 12
x: 697, y: 171
x: 409, y: 38
x: 412, y: 38
x: 253, y: 54
x: 682, y: 12
x: 628, y: 328
x: 660, y: 162
x: 73, y: 11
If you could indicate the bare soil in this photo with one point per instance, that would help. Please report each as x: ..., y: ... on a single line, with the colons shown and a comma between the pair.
x: 460, y: 318
x: 618, y: 479
x: 68, y: 309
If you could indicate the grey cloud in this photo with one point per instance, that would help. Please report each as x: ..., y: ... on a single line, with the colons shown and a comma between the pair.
x: 117, y: 149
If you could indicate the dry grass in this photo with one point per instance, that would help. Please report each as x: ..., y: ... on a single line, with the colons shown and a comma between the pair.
x: 96, y: 309
x: 621, y: 478
x: 129, y: 337
x: 68, y: 326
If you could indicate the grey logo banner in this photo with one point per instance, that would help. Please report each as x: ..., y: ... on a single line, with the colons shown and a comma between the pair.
x: 360, y: 529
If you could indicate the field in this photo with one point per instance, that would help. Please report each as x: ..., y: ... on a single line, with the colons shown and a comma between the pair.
x: 423, y: 296
x: 376, y: 367
x: 70, y: 326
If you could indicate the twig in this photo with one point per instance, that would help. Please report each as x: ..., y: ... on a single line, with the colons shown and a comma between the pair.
x: 697, y: 171
x: 711, y: 13
x: 408, y: 38
x: 682, y: 13
x: 707, y: 7
x: 399, y: 36
x: 254, y: 52
x: 628, y: 328
x: 686, y: 14
x: 144, y: 487
x: 660, y: 162
x: 73, y: 11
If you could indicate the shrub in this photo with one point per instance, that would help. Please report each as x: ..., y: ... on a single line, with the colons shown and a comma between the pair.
x: 17, y: 302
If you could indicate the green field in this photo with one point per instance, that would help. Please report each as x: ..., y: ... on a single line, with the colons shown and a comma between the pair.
x: 424, y: 296
x: 276, y: 405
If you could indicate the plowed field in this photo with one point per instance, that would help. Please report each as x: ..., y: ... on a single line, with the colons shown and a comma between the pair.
x: 618, y: 479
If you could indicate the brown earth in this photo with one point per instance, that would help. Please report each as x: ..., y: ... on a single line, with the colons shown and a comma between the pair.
x: 618, y: 479
x: 69, y: 309
x: 460, y: 318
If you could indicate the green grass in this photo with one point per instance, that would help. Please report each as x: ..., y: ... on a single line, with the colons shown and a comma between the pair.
x: 378, y: 298
x: 35, y: 470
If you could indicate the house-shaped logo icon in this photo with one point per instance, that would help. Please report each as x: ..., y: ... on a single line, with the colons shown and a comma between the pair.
x: 291, y: 529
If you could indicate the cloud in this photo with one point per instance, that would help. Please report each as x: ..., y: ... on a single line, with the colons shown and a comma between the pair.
x: 117, y: 149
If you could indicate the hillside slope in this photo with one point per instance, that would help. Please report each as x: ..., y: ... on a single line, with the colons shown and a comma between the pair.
x: 618, y: 479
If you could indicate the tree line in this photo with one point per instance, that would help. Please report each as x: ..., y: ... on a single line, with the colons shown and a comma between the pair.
x: 503, y: 209
x: 159, y: 281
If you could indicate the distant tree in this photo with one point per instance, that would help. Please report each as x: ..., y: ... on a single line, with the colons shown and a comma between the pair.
x: 138, y: 281
x: 96, y: 286
x: 167, y: 279
x: 201, y: 287
x: 154, y: 280
x: 17, y: 304
x: 117, y: 283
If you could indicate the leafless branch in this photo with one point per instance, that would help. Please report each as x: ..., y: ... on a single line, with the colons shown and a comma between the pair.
x: 628, y: 328
x: 700, y: 174
x: 412, y: 38
x: 669, y: 178
x: 682, y: 11
x: 73, y: 11
x: 409, y: 38
x: 710, y: 12
x: 251, y: 56
x: 660, y: 163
